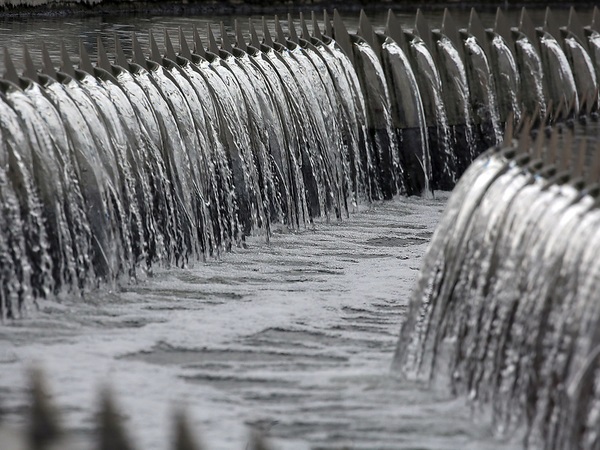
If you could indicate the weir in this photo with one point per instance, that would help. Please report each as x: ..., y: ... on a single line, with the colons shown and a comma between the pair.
x: 139, y: 158
x: 168, y: 158
x: 505, y: 309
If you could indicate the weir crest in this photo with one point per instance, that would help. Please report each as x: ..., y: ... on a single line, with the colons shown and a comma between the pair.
x: 166, y: 157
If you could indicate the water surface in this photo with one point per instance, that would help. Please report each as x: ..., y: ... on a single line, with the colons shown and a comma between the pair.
x: 294, y: 338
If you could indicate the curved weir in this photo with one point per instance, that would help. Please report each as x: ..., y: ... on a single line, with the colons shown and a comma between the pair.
x: 167, y: 149
x: 506, y: 307
x: 172, y: 157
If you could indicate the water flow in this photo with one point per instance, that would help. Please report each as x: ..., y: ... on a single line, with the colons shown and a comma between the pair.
x: 338, y: 118
x: 533, y: 96
x: 457, y: 99
x: 171, y: 161
x: 584, y: 74
x: 29, y: 264
x: 409, y: 117
x: 416, y: 347
x: 351, y: 95
x: 327, y: 131
x: 160, y: 135
x: 316, y: 178
x: 498, y: 307
x: 98, y: 191
x: 388, y: 178
x: 176, y: 159
x: 80, y: 244
x: 594, y: 46
x: 560, y: 80
x: 443, y: 159
x: 483, y: 93
x: 45, y: 167
x: 268, y: 141
x: 506, y: 78
x: 106, y: 174
x: 285, y: 135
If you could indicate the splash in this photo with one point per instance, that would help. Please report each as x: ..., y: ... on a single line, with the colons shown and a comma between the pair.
x: 504, y: 309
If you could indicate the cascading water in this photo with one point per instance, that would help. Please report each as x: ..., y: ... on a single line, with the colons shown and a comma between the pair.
x: 386, y: 156
x: 343, y: 141
x: 483, y: 93
x: 506, y: 78
x: 594, y: 47
x: 159, y: 136
x: 443, y: 159
x: 286, y: 140
x: 330, y: 153
x: 72, y: 265
x: 585, y: 78
x: 530, y: 68
x: 249, y: 169
x: 216, y: 183
x: 269, y: 141
x: 26, y: 235
x: 316, y: 177
x: 457, y: 97
x: 354, y: 116
x: 110, y: 173
x: 160, y: 180
x: 409, y: 116
x: 499, y: 306
x: 560, y: 80
x: 164, y: 159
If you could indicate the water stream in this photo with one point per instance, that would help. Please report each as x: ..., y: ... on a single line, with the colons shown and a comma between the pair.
x: 207, y: 231
x: 293, y: 337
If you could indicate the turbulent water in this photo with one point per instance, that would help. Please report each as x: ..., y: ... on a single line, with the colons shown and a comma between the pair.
x: 505, y: 309
x: 293, y: 337
x: 279, y: 155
